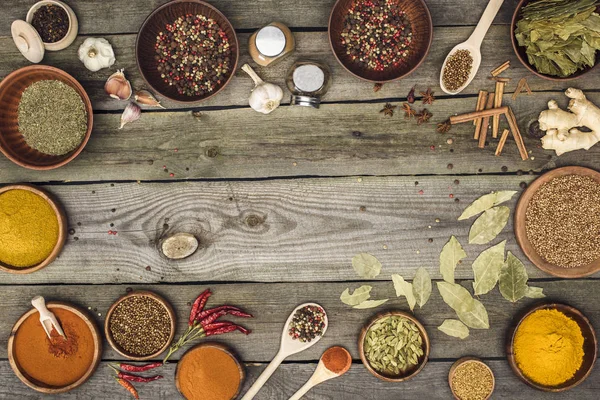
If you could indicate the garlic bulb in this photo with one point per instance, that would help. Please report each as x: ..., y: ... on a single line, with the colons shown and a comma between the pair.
x: 96, y: 53
x: 131, y: 113
x: 117, y: 86
x: 265, y: 97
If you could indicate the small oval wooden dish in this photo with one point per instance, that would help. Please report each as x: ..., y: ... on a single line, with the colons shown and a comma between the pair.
x: 155, y: 23
x: 462, y: 361
x: 590, y: 347
x: 521, y: 230
x: 218, y: 346
x: 39, y: 386
x: 62, y: 229
x: 420, y: 19
x: 422, y: 360
x: 119, y: 349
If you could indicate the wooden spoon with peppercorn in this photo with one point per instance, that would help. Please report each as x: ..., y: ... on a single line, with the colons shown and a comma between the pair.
x: 458, y: 75
x: 305, y: 326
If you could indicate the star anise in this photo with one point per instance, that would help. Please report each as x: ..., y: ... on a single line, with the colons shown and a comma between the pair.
x: 411, y: 96
x: 377, y: 87
x: 409, y: 112
x: 444, y: 127
x: 423, y: 116
x: 388, y: 110
x: 428, y: 97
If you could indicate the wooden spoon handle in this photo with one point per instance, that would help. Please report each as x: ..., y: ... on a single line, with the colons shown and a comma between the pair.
x: 303, y: 390
x: 264, y: 377
x: 485, y: 22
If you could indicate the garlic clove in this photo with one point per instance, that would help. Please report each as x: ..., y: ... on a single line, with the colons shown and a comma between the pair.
x: 147, y: 98
x: 131, y: 113
x: 117, y: 86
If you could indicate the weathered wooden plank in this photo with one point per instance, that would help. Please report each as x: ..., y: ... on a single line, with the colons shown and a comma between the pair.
x: 272, y: 303
x: 357, y: 384
x: 113, y: 16
x: 283, y: 230
x: 312, y: 45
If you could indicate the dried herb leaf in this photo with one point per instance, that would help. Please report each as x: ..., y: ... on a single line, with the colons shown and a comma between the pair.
x: 513, y: 279
x: 422, y: 286
x: 405, y: 289
x: 487, y: 267
x: 361, y: 294
x: 486, y: 202
x: 489, y: 225
x: 477, y: 318
x: 366, y: 265
x: 535, y: 292
x: 454, y: 328
x: 451, y: 254
x: 370, y: 304
x: 456, y: 296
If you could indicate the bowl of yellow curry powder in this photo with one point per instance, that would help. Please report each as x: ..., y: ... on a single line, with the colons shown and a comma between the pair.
x: 32, y: 229
x: 553, y: 347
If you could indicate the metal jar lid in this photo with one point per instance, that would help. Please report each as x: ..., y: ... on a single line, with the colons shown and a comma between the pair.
x: 270, y: 41
x: 306, y: 101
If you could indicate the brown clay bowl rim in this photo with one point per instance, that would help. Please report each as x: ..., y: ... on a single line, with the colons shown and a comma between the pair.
x: 8, y: 80
x: 424, y: 335
x: 521, y: 231
x: 569, y: 311
x: 525, y: 62
x: 139, y: 293
x: 465, y: 360
x: 227, y: 350
x: 62, y: 228
x: 413, y: 69
x: 156, y: 12
x: 91, y: 369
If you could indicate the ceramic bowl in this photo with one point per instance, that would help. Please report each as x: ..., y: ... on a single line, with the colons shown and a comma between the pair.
x: 422, y: 360
x: 12, y: 143
x: 590, y: 347
x: 521, y: 230
x: 43, y: 388
x: 420, y: 19
x: 155, y: 23
x: 73, y: 24
x: 462, y: 361
x: 62, y: 229
x: 122, y: 351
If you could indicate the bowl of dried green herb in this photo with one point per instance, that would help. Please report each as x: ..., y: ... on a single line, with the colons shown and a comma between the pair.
x: 47, y: 117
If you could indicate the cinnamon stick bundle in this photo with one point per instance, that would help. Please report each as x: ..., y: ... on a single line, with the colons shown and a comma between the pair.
x: 481, y: 102
x: 472, y: 116
x: 501, y: 68
x: 497, y: 103
x: 486, y: 122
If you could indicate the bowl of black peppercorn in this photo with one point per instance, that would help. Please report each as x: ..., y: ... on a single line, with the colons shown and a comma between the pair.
x: 187, y: 51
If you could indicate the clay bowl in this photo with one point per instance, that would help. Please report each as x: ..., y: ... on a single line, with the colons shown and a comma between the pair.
x: 39, y: 386
x: 460, y: 362
x: 416, y: 369
x: 521, y: 232
x: 155, y: 23
x: 522, y: 56
x: 12, y: 143
x: 62, y: 229
x: 122, y: 351
x: 590, y: 347
x: 215, y: 345
x: 422, y: 26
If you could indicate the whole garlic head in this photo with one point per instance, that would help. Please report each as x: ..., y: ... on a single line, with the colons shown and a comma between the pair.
x: 96, y: 53
x: 265, y: 97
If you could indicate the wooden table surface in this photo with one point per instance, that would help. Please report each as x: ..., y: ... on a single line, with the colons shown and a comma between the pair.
x: 281, y: 203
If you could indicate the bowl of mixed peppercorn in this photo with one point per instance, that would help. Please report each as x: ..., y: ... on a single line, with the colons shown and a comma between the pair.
x: 380, y: 40
x: 187, y: 50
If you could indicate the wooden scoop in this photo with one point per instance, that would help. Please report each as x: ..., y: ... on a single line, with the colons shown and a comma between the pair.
x: 288, y: 347
x: 323, y: 374
x: 47, y: 318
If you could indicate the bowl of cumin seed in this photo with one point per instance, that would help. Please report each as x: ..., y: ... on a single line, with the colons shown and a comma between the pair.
x: 46, y: 118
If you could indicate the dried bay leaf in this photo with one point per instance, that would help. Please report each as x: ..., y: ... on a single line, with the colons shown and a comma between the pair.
x: 366, y: 265
x: 535, y: 292
x: 487, y: 267
x: 486, y: 202
x: 405, y: 289
x: 451, y: 254
x: 513, y: 279
x: 504, y: 195
x: 422, y: 286
x: 361, y: 294
x: 489, y: 225
x: 370, y: 304
x: 454, y: 328
x: 477, y: 318
x: 456, y: 296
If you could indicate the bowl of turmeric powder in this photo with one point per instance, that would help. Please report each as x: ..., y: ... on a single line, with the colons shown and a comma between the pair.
x: 553, y: 347
x: 32, y: 228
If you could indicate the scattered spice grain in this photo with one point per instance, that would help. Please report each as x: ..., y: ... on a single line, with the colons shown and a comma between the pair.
x: 472, y: 380
x: 457, y: 70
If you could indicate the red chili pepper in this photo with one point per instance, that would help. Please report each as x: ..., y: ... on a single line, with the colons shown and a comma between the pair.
x: 214, y: 316
x: 206, y: 313
x: 139, y: 368
x: 129, y: 387
x: 227, y: 329
x: 217, y: 325
x: 135, y: 378
x: 199, y: 305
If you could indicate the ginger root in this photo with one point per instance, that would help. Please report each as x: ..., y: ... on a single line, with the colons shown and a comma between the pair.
x: 561, y: 126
